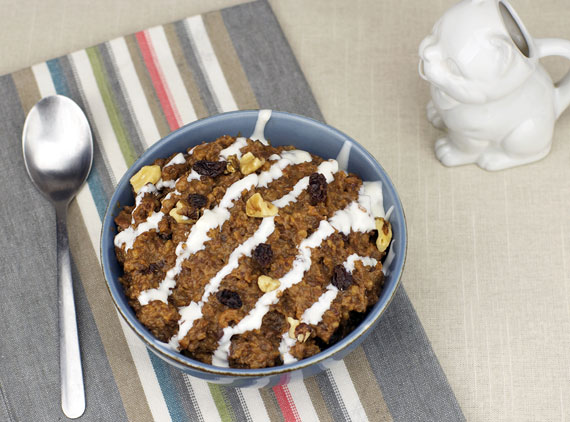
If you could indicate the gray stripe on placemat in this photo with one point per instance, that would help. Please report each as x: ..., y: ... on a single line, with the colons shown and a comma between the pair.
x: 236, y: 404
x: 176, y: 378
x: 194, y: 65
x: 410, y: 376
x: 125, y: 110
x: 336, y: 408
x: 29, y: 346
x: 277, y: 80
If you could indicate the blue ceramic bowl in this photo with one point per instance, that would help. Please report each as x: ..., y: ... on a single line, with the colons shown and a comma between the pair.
x: 282, y: 129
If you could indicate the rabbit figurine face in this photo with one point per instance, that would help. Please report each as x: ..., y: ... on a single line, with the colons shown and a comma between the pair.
x: 488, y: 88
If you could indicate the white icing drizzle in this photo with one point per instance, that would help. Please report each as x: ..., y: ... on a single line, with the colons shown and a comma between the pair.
x: 374, y: 191
x: 128, y: 236
x: 389, y: 213
x: 259, y: 131
x: 166, y: 184
x: 148, y: 188
x: 193, y: 176
x: 177, y: 159
x: 355, y: 217
x: 315, y: 312
x: 234, y: 149
x: 274, y: 157
x: 284, y: 348
x: 344, y: 155
x: 326, y: 168
x: 367, y: 261
x: 276, y: 170
x: 389, y: 258
x: 198, y: 235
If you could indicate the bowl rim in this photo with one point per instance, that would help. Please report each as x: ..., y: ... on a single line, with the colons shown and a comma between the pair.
x: 164, y: 351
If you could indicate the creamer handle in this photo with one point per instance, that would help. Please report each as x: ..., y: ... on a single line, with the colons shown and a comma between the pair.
x: 557, y: 47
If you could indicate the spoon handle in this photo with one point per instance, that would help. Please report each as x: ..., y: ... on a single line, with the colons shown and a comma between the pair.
x: 71, y: 374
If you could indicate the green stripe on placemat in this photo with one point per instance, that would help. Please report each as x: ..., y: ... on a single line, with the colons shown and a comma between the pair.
x: 134, y: 90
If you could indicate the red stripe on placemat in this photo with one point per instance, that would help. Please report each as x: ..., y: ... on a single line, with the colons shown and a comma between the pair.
x: 162, y: 91
x: 286, y: 403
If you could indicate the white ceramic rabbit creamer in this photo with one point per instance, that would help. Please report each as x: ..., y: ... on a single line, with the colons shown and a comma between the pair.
x: 488, y: 89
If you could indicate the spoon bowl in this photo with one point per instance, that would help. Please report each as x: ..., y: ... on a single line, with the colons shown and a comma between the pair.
x: 58, y: 148
x: 58, y: 153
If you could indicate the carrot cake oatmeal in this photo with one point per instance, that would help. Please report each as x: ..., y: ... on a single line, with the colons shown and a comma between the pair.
x: 241, y: 254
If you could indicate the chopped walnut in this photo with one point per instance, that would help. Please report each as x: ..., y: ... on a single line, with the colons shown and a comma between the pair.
x: 147, y: 174
x: 303, y: 332
x: 267, y: 284
x: 233, y: 164
x: 249, y: 163
x: 292, y: 326
x: 384, y: 234
x: 177, y: 214
x: 256, y: 206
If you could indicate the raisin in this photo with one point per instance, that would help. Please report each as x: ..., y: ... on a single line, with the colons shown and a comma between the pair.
x: 229, y: 298
x: 317, y: 188
x: 209, y: 168
x: 165, y: 236
x: 197, y: 201
x: 263, y: 254
x: 341, y: 278
x: 153, y: 267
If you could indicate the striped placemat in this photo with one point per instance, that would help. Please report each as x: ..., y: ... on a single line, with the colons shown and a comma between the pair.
x: 135, y: 90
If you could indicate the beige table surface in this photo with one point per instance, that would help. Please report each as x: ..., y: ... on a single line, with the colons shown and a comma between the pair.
x: 488, y: 266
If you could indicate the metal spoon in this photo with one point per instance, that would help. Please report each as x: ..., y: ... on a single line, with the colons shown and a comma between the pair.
x: 58, y: 152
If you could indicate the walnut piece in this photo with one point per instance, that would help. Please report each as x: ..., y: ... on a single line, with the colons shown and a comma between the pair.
x: 233, y: 164
x: 292, y: 325
x: 267, y: 284
x: 303, y: 332
x: 384, y: 234
x: 176, y: 213
x: 147, y: 174
x: 249, y: 163
x: 256, y: 206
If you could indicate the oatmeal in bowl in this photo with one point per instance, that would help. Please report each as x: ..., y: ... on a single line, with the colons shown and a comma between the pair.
x: 245, y: 255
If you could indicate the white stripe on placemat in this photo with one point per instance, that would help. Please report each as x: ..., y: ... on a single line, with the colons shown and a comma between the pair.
x: 90, y: 214
x: 149, y: 382
x: 165, y: 59
x: 252, y: 401
x: 94, y: 101
x: 209, y: 63
x: 302, y: 401
x: 43, y: 79
x: 134, y: 94
x: 347, y: 395
x: 203, y: 397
